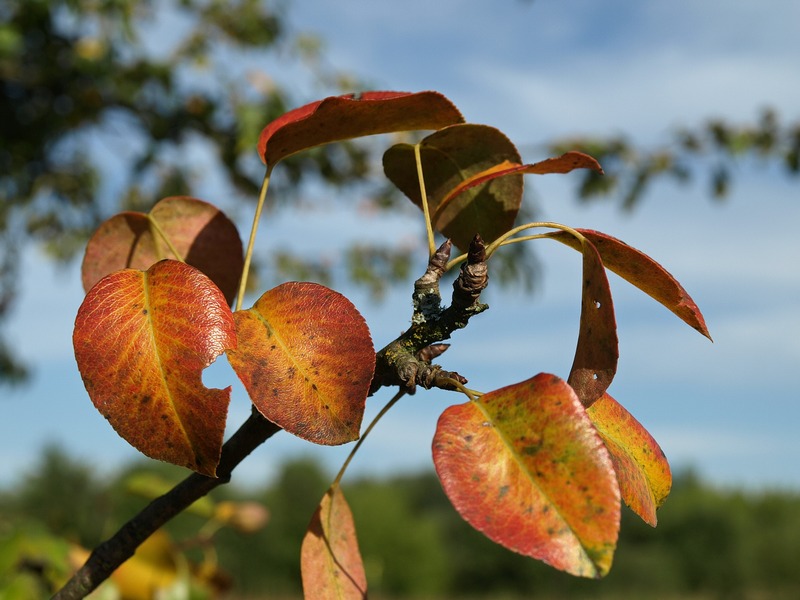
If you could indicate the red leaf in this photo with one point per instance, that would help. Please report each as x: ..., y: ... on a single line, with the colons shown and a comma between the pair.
x: 597, y: 352
x: 353, y: 115
x: 449, y: 157
x: 525, y: 466
x: 642, y: 469
x: 642, y: 271
x: 203, y: 236
x: 142, y: 340
x: 562, y: 164
x: 306, y: 358
x: 330, y: 561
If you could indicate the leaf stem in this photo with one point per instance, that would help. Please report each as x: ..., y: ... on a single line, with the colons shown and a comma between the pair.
x: 360, y: 441
x: 262, y: 195
x: 424, y: 198
x: 504, y: 240
x: 161, y: 234
x: 471, y: 394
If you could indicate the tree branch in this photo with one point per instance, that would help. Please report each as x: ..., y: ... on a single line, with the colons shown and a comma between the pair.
x: 406, y: 360
x: 109, y: 555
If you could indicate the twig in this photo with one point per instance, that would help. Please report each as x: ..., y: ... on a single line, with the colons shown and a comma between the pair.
x: 405, y: 361
x: 109, y: 555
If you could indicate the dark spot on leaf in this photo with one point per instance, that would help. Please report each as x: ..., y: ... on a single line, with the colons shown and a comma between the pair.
x: 144, y: 311
x: 502, y: 492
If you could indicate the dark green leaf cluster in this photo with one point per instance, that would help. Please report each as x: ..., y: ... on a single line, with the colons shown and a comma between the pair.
x: 712, y: 150
x: 710, y: 543
x: 95, y: 107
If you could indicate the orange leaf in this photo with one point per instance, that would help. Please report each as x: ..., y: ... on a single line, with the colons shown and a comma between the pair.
x: 597, y: 352
x: 642, y: 469
x: 562, y: 164
x: 330, y: 561
x: 449, y: 157
x: 525, y: 466
x: 642, y: 271
x: 306, y: 358
x: 203, y: 236
x: 142, y: 340
x: 351, y: 116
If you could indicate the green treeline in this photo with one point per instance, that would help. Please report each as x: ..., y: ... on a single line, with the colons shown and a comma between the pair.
x: 709, y: 543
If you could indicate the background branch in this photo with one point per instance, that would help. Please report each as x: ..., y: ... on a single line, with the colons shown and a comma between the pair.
x: 109, y: 555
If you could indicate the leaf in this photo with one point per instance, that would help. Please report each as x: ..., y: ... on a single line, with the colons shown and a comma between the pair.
x: 597, y: 351
x: 642, y: 469
x: 330, y: 561
x: 306, y: 358
x: 142, y: 340
x: 525, y: 466
x: 562, y: 164
x: 351, y: 116
x: 203, y: 236
x: 450, y: 157
x: 643, y: 272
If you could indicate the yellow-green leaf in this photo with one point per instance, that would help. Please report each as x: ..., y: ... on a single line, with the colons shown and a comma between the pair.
x: 525, y: 466
x: 642, y: 469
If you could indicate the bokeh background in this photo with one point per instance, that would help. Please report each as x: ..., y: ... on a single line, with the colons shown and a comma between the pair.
x: 691, y: 107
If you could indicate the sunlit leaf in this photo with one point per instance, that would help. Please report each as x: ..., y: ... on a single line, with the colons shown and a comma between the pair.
x: 150, y: 486
x: 142, y: 340
x: 330, y: 561
x: 306, y: 358
x: 642, y: 271
x: 642, y: 469
x: 203, y: 236
x: 561, y: 164
x: 525, y: 466
x: 450, y: 157
x: 245, y: 517
x: 353, y: 115
x: 597, y: 351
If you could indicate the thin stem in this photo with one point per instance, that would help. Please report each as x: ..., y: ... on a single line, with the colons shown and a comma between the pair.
x: 262, y: 195
x: 501, y: 240
x: 471, y: 394
x: 160, y: 233
x: 360, y: 441
x: 120, y: 547
x: 504, y: 240
x: 424, y: 198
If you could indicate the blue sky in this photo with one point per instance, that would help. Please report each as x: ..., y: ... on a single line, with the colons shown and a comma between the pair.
x: 538, y: 70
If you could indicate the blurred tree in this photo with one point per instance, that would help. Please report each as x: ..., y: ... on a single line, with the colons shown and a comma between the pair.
x: 710, y: 149
x: 64, y: 494
x: 110, y: 105
x: 103, y: 100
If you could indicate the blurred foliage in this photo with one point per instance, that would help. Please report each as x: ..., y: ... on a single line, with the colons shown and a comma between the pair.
x: 710, y: 542
x: 106, y: 104
x: 711, y: 150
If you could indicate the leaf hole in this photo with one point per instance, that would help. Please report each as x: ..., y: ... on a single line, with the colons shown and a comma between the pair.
x: 597, y: 304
